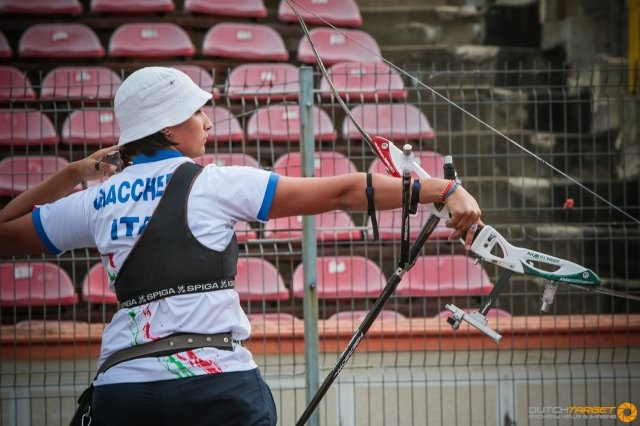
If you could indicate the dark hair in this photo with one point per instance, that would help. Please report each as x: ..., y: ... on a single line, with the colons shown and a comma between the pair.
x: 147, y: 145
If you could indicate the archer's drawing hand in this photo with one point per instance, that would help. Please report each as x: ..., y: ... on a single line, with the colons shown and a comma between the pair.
x: 94, y: 166
x: 465, y: 216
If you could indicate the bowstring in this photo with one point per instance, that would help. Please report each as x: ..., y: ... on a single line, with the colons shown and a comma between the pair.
x: 434, y: 92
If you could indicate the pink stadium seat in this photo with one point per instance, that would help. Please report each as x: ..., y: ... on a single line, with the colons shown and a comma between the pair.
x: 26, y: 128
x: 244, y: 232
x: 95, y: 286
x: 364, y: 82
x: 339, y: 13
x: 338, y: 45
x: 343, y: 277
x: 431, y: 161
x: 15, y: 85
x: 454, y: 275
x: 226, y: 127
x: 137, y: 6
x: 95, y: 127
x: 234, y: 8
x: 258, y: 279
x: 150, y: 40
x: 41, y: 7
x: 223, y: 159
x: 279, y: 318
x: 396, y: 122
x: 80, y: 83
x: 274, y: 82
x: 326, y: 163
x: 5, y: 47
x: 68, y: 40
x: 390, y: 225
x: 281, y: 123
x: 356, y: 317
x: 199, y: 75
x: 35, y: 284
x: 20, y: 172
x: 330, y: 227
x: 245, y: 42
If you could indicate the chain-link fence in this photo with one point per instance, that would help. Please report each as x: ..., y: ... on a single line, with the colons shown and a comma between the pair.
x: 551, y: 153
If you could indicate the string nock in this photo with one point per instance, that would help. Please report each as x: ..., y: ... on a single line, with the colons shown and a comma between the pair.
x: 476, y: 319
x: 548, y: 295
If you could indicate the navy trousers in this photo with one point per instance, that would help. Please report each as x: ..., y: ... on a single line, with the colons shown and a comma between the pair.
x: 237, y: 398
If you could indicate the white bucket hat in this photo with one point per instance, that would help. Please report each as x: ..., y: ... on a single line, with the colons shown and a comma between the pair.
x: 153, y: 98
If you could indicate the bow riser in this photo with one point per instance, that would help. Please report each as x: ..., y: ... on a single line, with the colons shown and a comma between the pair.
x: 392, y: 156
x: 523, y: 260
x: 514, y: 258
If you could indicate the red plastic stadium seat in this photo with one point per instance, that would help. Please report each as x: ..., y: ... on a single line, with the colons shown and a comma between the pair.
x: 41, y: 7
x: 396, y: 122
x: 245, y: 42
x: 339, y: 13
x: 364, y: 81
x: 5, y: 47
x: 79, y: 82
x: 95, y: 127
x: 263, y: 81
x: 279, y: 318
x: 330, y: 227
x: 356, y: 317
x: 343, y: 277
x: 326, y: 163
x: 431, y: 161
x: 199, y: 75
x: 454, y: 275
x: 223, y: 159
x: 19, y: 172
x: 35, y: 284
x: 235, y: 8
x: 150, y: 40
x: 68, y: 40
x: 338, y: 45
x: 226, y: 127
x: 95, y: 286
x: 26, y: 128
x: 244, y: 232
x: 258, y: 279
x: 137, y: 6
x: 15, y: 85
x: 281, y: 123
x: 390, y: 225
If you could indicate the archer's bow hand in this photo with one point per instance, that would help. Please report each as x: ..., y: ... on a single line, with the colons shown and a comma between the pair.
x: 465, y: 212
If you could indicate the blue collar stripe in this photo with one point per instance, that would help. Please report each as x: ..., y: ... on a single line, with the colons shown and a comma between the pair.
x: 158, y: 156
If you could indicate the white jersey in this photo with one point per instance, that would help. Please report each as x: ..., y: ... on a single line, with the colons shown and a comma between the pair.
x: 111, y: 217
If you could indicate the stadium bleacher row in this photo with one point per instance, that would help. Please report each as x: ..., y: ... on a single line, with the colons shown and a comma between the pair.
x: 260, y: 82
x: 343, y: 12
x: 233, y: 40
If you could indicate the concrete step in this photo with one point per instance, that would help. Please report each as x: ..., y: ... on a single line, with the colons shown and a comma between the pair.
x: 424, y: 24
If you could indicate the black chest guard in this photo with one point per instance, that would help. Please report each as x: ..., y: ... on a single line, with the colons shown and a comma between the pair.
x: 167, y: 259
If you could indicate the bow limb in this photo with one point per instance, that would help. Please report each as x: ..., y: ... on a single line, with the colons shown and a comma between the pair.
x: 386, y: 151
x: 325, y: 73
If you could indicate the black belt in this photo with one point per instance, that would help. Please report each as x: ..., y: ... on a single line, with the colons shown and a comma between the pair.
x: 170, y: 345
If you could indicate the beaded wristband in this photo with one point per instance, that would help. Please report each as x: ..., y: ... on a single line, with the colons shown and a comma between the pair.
x: 449, y: 189
x: 445, y: 190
